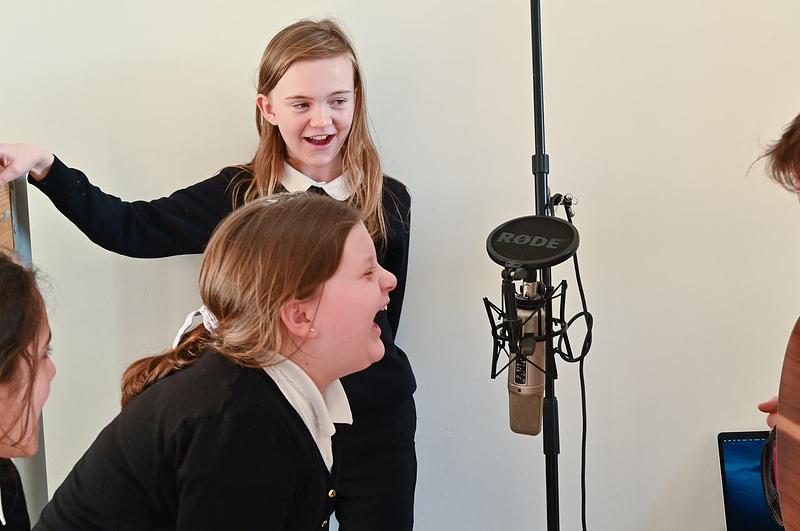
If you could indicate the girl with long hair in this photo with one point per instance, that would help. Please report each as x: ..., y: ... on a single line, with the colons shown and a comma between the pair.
x: 311, y: 118
x: 231, y: 428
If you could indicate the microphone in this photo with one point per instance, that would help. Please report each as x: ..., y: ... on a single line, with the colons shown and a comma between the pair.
x: 526, y: 376
x: 524, y: 246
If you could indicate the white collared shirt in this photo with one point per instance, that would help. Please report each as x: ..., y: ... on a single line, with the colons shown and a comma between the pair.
x: 295, y: 181
x: 2, y: 516
x: 319, y: 412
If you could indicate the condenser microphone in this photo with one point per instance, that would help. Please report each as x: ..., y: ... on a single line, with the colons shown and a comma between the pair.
x: 526, y: 376
x: 523, y: 246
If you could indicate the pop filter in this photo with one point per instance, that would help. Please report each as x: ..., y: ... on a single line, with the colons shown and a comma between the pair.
x: 532, y: 242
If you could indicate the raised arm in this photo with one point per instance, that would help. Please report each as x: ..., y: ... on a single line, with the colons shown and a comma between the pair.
x: 181, y: 223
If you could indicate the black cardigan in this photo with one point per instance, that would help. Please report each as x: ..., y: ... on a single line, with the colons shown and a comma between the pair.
x: 182, y: 224
x: 215, y: 446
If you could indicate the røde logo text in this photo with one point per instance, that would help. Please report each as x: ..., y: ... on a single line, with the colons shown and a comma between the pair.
x: 531, y: 241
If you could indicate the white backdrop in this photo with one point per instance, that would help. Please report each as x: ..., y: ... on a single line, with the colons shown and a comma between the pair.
x: 655, y: 110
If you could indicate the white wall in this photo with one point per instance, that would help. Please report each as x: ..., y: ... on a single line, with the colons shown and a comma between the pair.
x: 655, y: 110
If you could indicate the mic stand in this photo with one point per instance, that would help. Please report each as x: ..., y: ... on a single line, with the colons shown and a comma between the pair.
x: 541, y: 168
x: 527, y: 248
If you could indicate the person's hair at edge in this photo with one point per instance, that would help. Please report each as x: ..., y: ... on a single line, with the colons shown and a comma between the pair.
x: 22, y: 312
x: 303, y: 41
x: 268, y: 252
x: 783, y: 157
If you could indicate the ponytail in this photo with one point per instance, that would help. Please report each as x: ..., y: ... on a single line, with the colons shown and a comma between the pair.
x: 145, y: 372
x: 267, y: 252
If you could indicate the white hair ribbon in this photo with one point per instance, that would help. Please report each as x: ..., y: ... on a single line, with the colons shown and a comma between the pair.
x: 209, y: 322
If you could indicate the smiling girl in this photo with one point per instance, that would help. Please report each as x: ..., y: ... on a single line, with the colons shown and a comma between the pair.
x: 311, y: 119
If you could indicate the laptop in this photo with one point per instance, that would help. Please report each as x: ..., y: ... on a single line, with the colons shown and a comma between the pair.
x: 742, y: 492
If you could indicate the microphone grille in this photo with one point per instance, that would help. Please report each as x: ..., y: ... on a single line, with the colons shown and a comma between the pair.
x: 525, y: 413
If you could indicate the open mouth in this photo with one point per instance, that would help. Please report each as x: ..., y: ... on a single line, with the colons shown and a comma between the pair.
x: 375, y: 326
x: 319, y: 140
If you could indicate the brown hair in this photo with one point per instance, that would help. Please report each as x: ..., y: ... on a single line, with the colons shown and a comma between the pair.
x: 266, y: 253
x: 22, y: 313
x: 303, y: 41
x: 783, y: 157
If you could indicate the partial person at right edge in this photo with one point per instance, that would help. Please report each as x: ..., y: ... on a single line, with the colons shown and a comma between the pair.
x: 781, y: 454
x: 783, y: 167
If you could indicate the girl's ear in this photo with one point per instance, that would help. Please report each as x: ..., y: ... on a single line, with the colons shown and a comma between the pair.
x: 264, y: 105
x: 298, y: 317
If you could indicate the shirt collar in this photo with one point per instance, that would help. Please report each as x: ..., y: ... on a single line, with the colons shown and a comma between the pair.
x: 319, y: 411
x: 295, y: 181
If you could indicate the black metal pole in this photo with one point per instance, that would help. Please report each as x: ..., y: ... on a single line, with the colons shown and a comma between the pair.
x: 541, y: 168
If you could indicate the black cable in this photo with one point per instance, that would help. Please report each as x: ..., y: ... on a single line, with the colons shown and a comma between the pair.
x: 587, y: 344
x: 583, y: 444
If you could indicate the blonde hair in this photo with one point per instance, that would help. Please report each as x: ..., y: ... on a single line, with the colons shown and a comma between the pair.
x: 309, y: 40
x: 266, y: 253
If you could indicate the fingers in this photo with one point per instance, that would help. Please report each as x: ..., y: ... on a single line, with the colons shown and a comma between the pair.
x: 770, y: 406
x: 772, y: 420
x: 8, y: 170
x: 9, y: 173
x: 17, y: 160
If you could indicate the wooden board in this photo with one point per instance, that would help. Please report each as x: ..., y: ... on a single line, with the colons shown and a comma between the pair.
x: 6, y: 225
x: 789, y: 433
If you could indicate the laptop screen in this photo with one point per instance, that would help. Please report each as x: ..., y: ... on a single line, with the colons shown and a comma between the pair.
x: 740, y: 462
